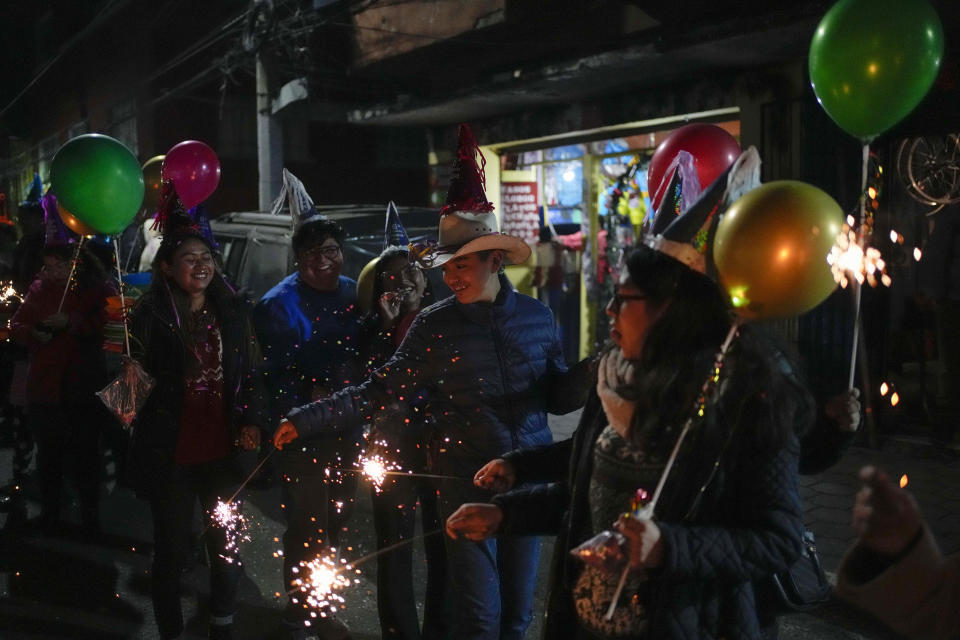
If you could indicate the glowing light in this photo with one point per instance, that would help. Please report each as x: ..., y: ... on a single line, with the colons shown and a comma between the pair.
x: 917, y: 254
x: 894, y: 399
x: 324, y: 579
x: 872, y: 68
x: 8, y: 293
x: 872, y: 193
x: 227, y: 516
x: 569, y: 175
x: 847, y: 258
x: 893, y: 235
x: 884, y: 389
x: 904, y: 480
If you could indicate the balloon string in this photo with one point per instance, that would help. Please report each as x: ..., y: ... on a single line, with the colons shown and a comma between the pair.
x: 647, y: 510
x: 73, y: 268
x: 123, y: 302
x: 856, y: 284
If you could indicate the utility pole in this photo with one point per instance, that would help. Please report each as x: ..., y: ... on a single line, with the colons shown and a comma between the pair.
x: 269, y: 142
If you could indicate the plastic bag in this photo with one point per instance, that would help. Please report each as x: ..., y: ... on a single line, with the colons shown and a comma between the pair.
x: 607, y: 551
x: 128, y: 391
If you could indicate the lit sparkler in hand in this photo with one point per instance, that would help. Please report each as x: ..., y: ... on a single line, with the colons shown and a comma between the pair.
x: 848, y: 258
x: 227, y: 516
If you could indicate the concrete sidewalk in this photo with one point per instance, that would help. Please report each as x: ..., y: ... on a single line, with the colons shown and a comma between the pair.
x: 68, y: 587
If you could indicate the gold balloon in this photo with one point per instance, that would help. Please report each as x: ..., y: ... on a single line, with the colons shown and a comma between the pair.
x: 74, y: 224
x: 771, y: 249
x: 151, y: 182
x: 366, y: 286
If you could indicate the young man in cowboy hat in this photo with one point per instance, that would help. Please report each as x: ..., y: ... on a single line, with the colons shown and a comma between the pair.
x: 488, y: 365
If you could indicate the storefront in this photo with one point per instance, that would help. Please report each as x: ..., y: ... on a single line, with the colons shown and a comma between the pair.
x: 575, y: 196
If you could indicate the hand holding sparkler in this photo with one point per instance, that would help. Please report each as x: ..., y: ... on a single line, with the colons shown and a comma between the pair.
x: 475, y: 521
x: 886, y: 517
x: 284, y: 434
x: 498, y: 475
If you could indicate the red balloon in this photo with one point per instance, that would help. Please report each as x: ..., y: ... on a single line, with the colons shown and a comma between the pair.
x: 712, y: 148
x: 194, y: 169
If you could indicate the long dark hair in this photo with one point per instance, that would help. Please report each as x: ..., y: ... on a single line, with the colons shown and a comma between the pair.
x: 679, y: 350
x: 218, y: 292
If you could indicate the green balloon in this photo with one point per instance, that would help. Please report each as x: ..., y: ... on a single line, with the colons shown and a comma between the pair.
x: 99, y: 181
x: 873, y: 61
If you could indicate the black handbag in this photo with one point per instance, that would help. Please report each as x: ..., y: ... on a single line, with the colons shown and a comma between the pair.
x: 804, y: 585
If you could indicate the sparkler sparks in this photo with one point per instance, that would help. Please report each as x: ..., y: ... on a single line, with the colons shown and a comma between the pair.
x: 848, y: 257
x: 321, y: 582
x: 8, y: 293
x: 227, y: 516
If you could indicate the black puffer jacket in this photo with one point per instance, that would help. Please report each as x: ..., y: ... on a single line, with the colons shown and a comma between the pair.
x: 159, y: 348
x: 745, y: 526
x: 485, y: 373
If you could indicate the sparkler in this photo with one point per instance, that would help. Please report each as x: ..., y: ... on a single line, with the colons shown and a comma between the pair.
x: 848, y: 259
x: 321, y: 582
x: 8, y: 293
x: 227, y: 516
x: 375, y: 467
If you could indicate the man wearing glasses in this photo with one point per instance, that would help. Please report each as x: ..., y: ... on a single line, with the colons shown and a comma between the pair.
x: 309, y: 329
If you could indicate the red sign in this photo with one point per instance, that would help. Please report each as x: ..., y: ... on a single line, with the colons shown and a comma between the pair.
x: 520, y: 215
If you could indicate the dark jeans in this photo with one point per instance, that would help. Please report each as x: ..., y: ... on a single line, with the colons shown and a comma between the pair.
x: 491, y: 582
x: 173, y: 510
x: 394, y: 518
x: 68, y: 435
x: 317, y: 505
x: 948, y: 329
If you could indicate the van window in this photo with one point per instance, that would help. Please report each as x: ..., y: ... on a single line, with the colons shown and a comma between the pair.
x: 266, y: 262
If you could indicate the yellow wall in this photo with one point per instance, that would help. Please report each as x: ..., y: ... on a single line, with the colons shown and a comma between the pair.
x: 521, y: 275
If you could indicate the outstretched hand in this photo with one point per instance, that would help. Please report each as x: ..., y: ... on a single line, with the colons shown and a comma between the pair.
x: 284, y: 434
x: 497, y: 475
x: 474, y: 521
x: 885, y: 516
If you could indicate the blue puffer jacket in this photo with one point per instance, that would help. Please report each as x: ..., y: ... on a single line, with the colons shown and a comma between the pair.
x: 486, y: 373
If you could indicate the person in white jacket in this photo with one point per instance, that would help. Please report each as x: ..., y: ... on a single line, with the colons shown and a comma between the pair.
x: 895, y: 571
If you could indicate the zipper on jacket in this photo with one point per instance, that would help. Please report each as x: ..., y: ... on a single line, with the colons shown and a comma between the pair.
x: 503, y: 377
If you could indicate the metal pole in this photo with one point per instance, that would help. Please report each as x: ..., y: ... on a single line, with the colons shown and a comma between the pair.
x: 269, y: 142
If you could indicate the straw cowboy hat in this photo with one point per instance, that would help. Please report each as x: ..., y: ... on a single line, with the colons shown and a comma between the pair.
x: 467, y: 221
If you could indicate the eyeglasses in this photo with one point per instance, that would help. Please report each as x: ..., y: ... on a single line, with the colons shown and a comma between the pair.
x: 619, y: 298
x: 409, y: 272
x: 331, y: 252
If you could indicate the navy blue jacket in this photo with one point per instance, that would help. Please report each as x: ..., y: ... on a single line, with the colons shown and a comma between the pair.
x: 487, y: 373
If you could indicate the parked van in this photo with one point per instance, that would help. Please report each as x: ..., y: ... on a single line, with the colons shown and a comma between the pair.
x: 257, y: 253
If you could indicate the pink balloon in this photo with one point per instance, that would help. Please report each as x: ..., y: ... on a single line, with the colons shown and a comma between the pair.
x: 712, y: 148
x: 194, y: 169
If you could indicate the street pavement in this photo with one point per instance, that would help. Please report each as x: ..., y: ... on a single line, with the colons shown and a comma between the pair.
x: 68, y: 586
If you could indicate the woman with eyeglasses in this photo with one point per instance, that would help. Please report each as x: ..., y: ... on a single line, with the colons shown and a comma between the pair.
x: 399, y: 291
x: 729, y: 515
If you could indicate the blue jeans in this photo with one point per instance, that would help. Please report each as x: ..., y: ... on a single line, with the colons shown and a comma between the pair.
x: 491, y: 582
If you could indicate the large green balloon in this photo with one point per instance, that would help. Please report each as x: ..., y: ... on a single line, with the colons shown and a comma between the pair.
x: 99, y: 181
x: 873, y: 61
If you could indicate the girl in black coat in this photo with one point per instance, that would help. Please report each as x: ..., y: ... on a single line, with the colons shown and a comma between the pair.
x: 729, y: 515
x: 193, y: 335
